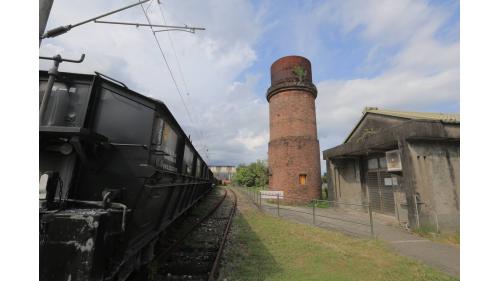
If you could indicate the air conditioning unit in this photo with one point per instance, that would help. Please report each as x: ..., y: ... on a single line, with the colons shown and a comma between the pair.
x: 393, y: 159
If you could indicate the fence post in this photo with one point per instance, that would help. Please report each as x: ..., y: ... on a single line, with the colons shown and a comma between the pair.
x: 277, y: 195
x: 260, y: 200
x: 314, y: 212
x: 371, y: 218
x: 437, y: 222
x: 416, y: 211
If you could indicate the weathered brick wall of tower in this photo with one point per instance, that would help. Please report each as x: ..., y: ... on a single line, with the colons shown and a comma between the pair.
x: 293, y: 146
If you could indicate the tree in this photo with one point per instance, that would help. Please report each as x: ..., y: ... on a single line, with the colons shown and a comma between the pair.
x: 255, y: 174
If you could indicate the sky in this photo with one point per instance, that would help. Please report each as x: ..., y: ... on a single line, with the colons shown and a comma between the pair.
x: 391, y: 54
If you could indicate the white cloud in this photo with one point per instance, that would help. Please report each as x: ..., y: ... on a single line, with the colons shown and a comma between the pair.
x: 392, y: 21
x: 230, y: 117
x: 423, y: 73
x: 211, y: 61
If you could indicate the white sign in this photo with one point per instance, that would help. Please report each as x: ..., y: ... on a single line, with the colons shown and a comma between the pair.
x: 271, y: 194
x: 390, y: 181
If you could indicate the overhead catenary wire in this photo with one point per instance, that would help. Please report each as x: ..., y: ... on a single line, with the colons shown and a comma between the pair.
x: 167, y: 64
x: 174, y: 51
x: 202, y: 137
x: 169, y: 68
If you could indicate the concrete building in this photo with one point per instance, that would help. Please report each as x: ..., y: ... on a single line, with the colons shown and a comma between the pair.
x: 223, y: 173
x: 404, y: 164
x: 293, y: 154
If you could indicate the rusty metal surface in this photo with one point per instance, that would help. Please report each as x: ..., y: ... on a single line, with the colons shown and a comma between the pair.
x: 291, y: 73
x: 291, y: 69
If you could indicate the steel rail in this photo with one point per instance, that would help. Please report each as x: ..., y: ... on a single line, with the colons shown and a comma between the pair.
x: 224, y: 239
x: 192, y: 229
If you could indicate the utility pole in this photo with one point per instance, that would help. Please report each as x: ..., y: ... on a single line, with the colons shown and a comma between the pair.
x: 43, y: 16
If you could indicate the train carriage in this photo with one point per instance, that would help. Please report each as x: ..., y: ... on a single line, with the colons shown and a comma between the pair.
x: 116, y: 169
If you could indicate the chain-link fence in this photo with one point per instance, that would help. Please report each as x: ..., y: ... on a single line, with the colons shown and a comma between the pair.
x: 350, y: 217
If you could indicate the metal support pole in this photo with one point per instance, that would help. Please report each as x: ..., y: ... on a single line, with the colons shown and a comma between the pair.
x: 190, y: 29
x: 48, y: 89
x: 437, y: 222
x: 396, y: 203
x: 260, y: 200
x: 277, y: 195
x: 416, y: 211
x: 314, y: 212
x: 43, y: 16
x: 371, y: 219
x: 53, y: 72
x: 65, y: 28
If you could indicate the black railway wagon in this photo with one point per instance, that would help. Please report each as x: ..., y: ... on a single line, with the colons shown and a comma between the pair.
x: 115, y: 170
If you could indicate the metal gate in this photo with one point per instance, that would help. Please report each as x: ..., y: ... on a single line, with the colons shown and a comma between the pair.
x: 381, y: 190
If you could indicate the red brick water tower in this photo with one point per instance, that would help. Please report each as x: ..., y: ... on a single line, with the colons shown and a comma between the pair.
x: 293, y: 154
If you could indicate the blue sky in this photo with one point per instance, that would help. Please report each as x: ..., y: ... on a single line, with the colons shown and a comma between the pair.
x: 395, y: 54
x: 335, y: 53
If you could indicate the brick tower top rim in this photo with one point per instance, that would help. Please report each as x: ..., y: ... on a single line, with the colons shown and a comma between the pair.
x: 291, y: 73
x: 290, y: 57
x: 291, y: 86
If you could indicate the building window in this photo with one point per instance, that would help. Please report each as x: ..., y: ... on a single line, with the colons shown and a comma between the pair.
x: 302, y: 179
x: 372, y: 164
x: 382, y: 162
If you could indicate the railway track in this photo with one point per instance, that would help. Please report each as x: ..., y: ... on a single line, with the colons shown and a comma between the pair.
x: 194, y: 250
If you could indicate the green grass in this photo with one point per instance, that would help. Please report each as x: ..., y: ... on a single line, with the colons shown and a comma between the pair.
x: 269, y: 248
x: 430, y: 233
x: 319, y: 204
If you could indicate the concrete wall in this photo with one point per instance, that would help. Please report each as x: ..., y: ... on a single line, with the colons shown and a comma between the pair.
x: 436, y: 179
x: 372, y: 124
x: 401, y: 206
x: 346, y: 181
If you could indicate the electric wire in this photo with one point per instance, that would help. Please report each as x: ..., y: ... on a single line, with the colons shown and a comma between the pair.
x: 199, y: 131
x: 149, y: 6
x: 168, y: 66
x: 175, y: 53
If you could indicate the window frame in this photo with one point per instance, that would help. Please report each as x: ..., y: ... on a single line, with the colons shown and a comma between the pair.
x: 302, y: 177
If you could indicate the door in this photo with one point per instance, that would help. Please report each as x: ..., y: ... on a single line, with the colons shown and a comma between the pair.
x: 380, y: 186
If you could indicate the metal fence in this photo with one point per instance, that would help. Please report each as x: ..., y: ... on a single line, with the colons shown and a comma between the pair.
x: 314, y: 207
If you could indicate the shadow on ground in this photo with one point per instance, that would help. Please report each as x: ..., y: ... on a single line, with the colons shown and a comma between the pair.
x: 245, y: 256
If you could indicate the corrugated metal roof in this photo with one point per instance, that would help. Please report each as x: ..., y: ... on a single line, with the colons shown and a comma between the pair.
x: 453, y: 118
x: 445, y: 117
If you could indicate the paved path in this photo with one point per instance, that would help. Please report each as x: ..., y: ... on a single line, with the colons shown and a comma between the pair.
x: 442, y: 256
